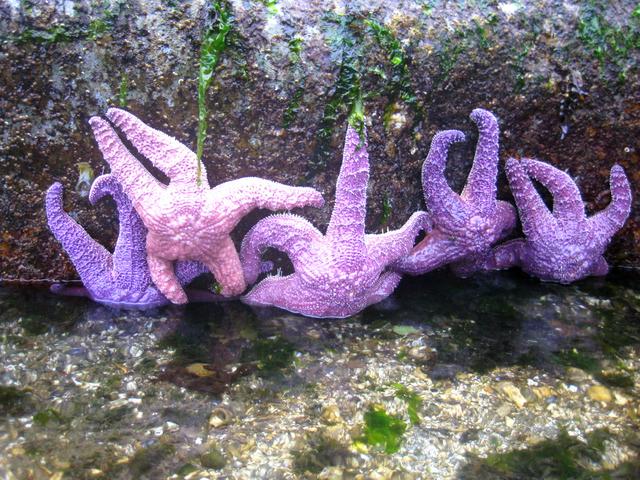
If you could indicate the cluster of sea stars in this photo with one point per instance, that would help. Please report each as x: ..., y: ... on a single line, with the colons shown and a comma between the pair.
x: 169, y: 234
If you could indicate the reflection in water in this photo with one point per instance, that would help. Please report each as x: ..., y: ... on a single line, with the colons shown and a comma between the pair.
x: 142, y: 385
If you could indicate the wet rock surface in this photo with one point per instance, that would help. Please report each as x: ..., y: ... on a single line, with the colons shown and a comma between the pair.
x: 561, y: 76
x: 542, y: 382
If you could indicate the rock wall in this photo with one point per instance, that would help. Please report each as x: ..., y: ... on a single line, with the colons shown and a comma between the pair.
x: 561, y: 76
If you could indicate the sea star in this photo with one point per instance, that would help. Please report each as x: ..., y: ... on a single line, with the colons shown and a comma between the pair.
x: 465, y: 225
x: 337, y: 274
x: 120, y: 279
x: 186, y: 219
x: 563, y: 245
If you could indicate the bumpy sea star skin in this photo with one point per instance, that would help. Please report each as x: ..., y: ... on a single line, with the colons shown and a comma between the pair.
x: 120, y: 279
x: 337, y: 274
x: 465, y: 225
x: 187, y: 220
x: 564, y: 245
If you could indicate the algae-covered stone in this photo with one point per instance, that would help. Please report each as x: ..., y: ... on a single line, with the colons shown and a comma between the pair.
x: 213, y: 458
x: 599, y: 393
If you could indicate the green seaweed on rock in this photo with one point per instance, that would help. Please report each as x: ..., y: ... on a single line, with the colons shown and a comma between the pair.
x: 320, y: 451
x: 564, y: 457
x: 347, y: 91
x: 13, y: 400
x: 612, y: 45
x: 273, y: 353
x: 413, y: 401
x: 399, y: 84
x: 214, y: 41
x: 382, y: 429
x: 123, y: 90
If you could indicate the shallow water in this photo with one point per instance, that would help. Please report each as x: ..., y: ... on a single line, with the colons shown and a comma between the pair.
x: 498, y: 376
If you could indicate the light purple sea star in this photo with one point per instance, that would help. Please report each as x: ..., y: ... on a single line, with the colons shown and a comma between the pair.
x: 466, y: 225
x: 187, y: 220
x: 337, y: 274
x: 120, y: 279
x: 563, y: 245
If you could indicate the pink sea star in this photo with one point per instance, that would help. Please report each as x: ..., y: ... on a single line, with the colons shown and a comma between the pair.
x: 337, y: 274
x: 186, y: 219
x: 120, y: 279
x: 563, y: 245
x: 465, y: 225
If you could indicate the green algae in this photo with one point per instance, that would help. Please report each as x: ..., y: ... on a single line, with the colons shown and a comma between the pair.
x: 214, y: 41
x: 612, y: 45
x: 387, y: 210
x: 382, y: 429
x: 346, y: 90
x: 399, y: 84
x: 564, y: 457
x: 295, y: 49
x: 213, y: 458
x: 272, y: 6
x: 477, y: 35
x: 13, y: 400
x: 63, y: 33
x: 147, y: 458
x: 428, y: 7
x: 46, y: 416
x: 320, y: 451
x: 273, y: 353
x: 292, y: 110
x: 413, y: 401
x: 123, y: 90
x: 349, y: 38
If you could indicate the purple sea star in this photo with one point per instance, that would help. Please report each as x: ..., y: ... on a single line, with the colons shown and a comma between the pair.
x: 120, y: 279
x: 337, y: 274
x: 465, y: 225
x: 563, y: 245
x: 187, y: 220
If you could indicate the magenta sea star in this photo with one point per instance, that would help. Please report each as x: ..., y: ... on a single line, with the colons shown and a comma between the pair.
x: 120, y: 279
x: 337, y: 274
x: 186, y: 219
x: 563, y: 245
x: 466, y: 225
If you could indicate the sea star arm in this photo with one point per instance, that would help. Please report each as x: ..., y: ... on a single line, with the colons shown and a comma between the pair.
x: 567, y: 201
x: 225, y: 265
x: 163, y: 276
x: 432, y: 252
x: 187, y: 271
x: 290, y: 234
x: 134, y: 178
x: 129, y: 262
x: 386, y: 248
x: 442, y: 202
x: 534, y: 214
x: 506, y: 255
x: 69, y: 291
x: 600, y: 267
x: 167, y: 154
x: 348, y: 216
x: 92, y: 261
x: 481, y: 188
x: 285, y: 293
x: 236, y: 198
x: 607, y: 222
x: 384, y: 286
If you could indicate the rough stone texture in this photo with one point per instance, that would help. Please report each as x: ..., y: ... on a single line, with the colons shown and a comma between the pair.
x: 62, y: 62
